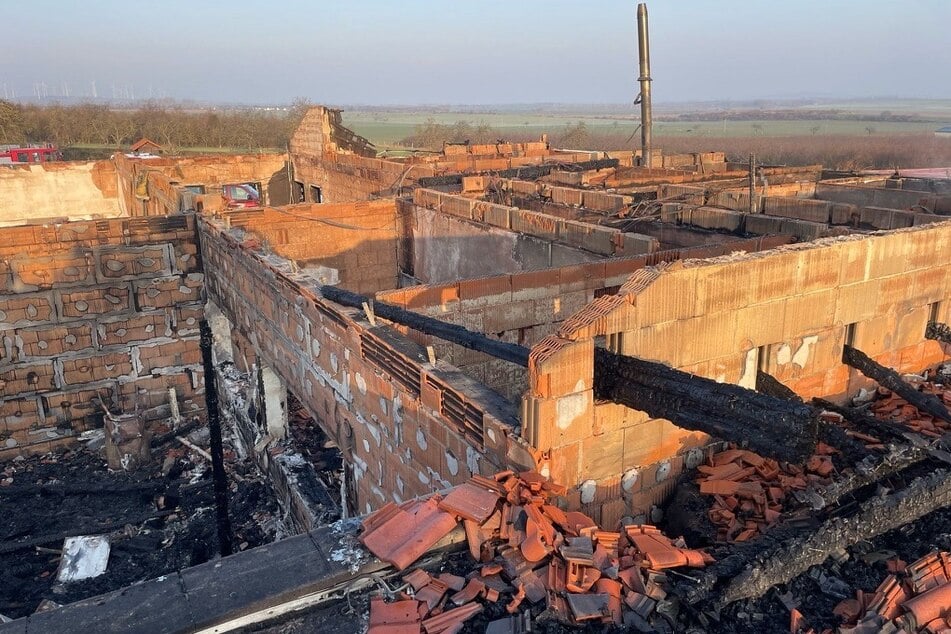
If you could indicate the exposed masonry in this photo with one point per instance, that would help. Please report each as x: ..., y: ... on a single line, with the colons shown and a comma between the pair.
x: 581, y: 250
x: 88, y: 310
x: 405, y: 427
x: 526, y: 307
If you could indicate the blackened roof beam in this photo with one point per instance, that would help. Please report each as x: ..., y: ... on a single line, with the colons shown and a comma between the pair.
x: 773, y: 427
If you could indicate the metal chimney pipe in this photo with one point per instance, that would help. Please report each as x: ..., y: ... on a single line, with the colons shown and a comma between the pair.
x: 644, y: 57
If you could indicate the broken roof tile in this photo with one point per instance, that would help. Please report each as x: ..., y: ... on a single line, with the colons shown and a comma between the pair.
x: 588, y: 607
x: 449, y: 620
x: 399, y: 617
x: 401, y: 534
x: 470, y: 502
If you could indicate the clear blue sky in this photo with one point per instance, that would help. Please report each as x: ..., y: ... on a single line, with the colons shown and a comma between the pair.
x: 477, y: 52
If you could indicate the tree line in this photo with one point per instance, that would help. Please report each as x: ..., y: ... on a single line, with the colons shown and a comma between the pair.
x: 174, y: 127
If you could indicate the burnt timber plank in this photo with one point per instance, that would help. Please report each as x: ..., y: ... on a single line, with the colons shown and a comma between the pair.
x: 770, y: 426
x: 217, y: 591
x: 890, y: 379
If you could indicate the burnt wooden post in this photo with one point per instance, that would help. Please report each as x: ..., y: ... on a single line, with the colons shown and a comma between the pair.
x: 890, y: 379
x: 217, y: 450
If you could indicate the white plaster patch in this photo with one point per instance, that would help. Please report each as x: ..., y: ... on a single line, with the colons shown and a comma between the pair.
x: 750, y: 365
x: 397, y: 408
x: 383, y: 408
x: 588, y: 488
x: 545, y: 470
x: 802, y: 353
x: 333, y: 362
x: 315, y: 347
x: 472, y: 460
x: 663, y: 470
x: 490, y: 433
x: 423, y: 477
x: 421, y: 439
x: 629, y: 479
x: 399, y: 483
x: 366, y: 445
x: 375, y: 433
x: 570, y: 408
x: 452, y: 463
x: 784, y: 354
x: 361, y: 383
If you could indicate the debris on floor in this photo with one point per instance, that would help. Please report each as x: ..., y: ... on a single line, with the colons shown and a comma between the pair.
x: 148, y: 522
x: 913, y: 598
x: 84, y: 557
x: 525, y: 551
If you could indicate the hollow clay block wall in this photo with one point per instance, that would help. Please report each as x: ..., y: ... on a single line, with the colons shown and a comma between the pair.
x: 403, y: 428
x: 104, y: 309
x: 787, y: 309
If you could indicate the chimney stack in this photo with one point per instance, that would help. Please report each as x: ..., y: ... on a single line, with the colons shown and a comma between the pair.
x: 644, y: 57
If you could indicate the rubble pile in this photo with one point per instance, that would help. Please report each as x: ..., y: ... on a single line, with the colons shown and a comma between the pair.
x: 751, y: 493
x: 528, y: 551
x: 914, y: 598
x: 749, y: 490
x: 891, y: 407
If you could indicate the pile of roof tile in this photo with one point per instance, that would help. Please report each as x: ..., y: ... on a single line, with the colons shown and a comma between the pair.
x: 914, y: 598
x: 529, y: 551
x: 889, y: 406
x: 749, y: 490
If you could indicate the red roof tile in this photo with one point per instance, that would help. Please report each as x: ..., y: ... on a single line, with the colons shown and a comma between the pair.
x: 401, y: 534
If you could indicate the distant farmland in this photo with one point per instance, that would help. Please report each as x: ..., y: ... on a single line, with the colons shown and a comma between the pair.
x: 386, y: 129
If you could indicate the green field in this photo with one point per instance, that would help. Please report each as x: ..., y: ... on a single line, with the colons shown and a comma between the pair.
x: 389, y: 128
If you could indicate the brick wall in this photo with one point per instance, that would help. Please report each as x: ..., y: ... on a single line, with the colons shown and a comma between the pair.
x: 153, y: 187
x: 106, y: 308
x: 526, y: 307
x: 590, y: 238
x: 346, y: 172
x: 360, y: 240
x: 405, y: 427
x: 785, y: 310
x: 57, y: 191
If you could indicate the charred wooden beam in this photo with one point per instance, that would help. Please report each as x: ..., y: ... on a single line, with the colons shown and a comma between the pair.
x: 878, y: 515
x: 770, y: 426
x: 768, y: 384
x: 830, y: 434
x: 510, y: 352
x: 938, y: 332
x: 867, y: 471
x: 225, y: 535
x: 892, y: 380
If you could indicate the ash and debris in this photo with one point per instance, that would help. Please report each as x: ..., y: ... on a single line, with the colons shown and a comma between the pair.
x: 347, y: 549
x: 159, y: 519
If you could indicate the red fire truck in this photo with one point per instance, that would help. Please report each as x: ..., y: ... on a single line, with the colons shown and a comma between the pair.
x: 29, y: 153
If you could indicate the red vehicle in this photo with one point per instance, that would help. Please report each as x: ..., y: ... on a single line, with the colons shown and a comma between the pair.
x: 241, y: 196
x: 29, y: 154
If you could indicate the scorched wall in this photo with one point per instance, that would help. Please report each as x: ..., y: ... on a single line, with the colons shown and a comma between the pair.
x: 96, y: 309
x: 405, y: 427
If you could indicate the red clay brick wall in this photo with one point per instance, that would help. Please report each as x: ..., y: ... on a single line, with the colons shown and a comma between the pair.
x: 716, y: 318
x: 366, y: 256
x: 526, y: 307
x: 165, y: 176
x: 105, y: 308
x: 405, y: 427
